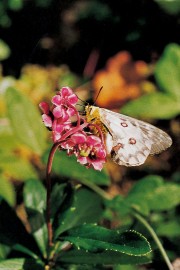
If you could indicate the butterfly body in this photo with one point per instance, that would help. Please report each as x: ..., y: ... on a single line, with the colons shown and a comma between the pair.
x: 129, y: 141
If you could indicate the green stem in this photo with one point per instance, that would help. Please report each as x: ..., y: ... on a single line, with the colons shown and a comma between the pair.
x: 156, y: 239
x: 97, y: 189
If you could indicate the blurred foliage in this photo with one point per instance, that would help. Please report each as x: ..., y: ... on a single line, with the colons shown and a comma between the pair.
x: 168, y: 100
x: 15, y: 5
x: 171, y: 7
x: 4, y: 50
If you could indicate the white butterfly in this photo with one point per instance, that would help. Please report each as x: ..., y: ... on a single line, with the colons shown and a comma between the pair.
x: 129, y: 141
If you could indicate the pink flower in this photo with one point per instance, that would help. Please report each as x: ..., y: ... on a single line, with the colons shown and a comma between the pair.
x: 58, y: 117
x: 88, y: 149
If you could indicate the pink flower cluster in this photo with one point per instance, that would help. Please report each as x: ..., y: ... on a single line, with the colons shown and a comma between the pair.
x: 87, y: 147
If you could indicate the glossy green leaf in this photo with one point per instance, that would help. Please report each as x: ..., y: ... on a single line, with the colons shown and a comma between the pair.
x: 105, y: 257
x: 35, y: 203
x: 25, y: 120
x: 97, y: 239
x: 86, y: 207
x: 58, y: 195
x: 21, y: 264
x: 167, y: 71
x: 153, y: 105
x: 69, y: 167
x: 7, y: 191
x: 24, y: 250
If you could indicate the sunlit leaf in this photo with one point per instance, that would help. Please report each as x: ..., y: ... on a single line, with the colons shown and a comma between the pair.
x: 35, y: 203
x: 98, y: 239
x: 167, y: 71
x: 7, y: 191
x: 25, y: 120
x: 4, y: 50
x: 16, y: 167
x: 153, y: 105
x: 86, y: 207
x: 21, y: 264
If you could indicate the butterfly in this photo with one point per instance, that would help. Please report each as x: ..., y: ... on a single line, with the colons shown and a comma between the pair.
x: 129, y: 141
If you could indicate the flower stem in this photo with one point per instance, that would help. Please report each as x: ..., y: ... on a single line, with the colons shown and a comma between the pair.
x: 97, y: 189
x: 48, y: 198
x: 156, y: 239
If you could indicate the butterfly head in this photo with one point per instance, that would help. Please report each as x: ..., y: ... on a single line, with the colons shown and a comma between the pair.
x: 93, y: 116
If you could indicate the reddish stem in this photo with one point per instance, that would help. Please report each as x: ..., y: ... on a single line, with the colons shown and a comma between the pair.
x: 48, y: 198
x: 49, y: 167
x: 48, y: 172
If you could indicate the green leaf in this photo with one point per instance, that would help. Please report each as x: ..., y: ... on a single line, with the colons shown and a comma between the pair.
x: 25, y: 120
x: 138, y: 197
x: 169, y: 228
x: 25, y: 250
x: 58, y: 195
x: 97, y: 239
x: 118, y: 204
x: 15, y: 4
x: 172, y: 7
x: 35, y: 203
x: 7, y: 191
x: 146, y: 185
x: 105, y: 257
x: 61, y: 162
x: 125, y: 267
x: 16, y: 167
x: 4, y: 50
x: 152, y: 193
x: 21, y: 264
x: 167, y: 71
x: 153, y: 105
x: 4, y: 251
x: 86, y: 207
x: 165, y: 197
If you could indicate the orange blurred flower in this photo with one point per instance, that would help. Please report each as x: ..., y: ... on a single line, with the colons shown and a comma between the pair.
x: 121, y: 80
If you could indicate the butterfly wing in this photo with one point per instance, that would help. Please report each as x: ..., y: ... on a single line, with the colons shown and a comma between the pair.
x: 130, y: 141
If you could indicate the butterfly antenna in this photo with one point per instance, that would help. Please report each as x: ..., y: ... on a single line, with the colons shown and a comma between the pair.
x: 97, y: 95
x: 82, y: 100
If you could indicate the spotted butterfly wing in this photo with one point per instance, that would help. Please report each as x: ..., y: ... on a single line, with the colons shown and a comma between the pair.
x: 129, y: 141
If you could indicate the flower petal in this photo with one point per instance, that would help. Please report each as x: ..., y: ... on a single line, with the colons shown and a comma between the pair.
x: 56, y: 100
x: 47, y: 120
x: 44, y: 106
